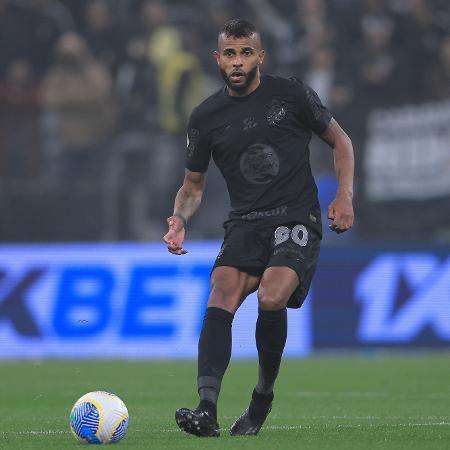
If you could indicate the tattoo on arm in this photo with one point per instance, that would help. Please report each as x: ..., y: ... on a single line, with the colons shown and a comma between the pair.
x: 189, y: 196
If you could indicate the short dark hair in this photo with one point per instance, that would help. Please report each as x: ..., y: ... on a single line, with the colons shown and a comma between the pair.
x: 238, y: 28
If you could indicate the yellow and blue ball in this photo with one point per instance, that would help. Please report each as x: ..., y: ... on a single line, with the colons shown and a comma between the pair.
x: 99, y: 417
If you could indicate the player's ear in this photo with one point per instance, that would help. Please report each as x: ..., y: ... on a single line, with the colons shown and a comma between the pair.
x: 261, y: 55
x: 217, y: 56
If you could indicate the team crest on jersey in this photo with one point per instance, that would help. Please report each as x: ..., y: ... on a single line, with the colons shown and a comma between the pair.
x: 192, y: 139
x: 277, y: 112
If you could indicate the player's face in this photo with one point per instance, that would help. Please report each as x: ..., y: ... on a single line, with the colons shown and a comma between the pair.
x: 239, y: 60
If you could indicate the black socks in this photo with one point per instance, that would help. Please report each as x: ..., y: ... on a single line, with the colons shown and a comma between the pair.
x: 214, y: 352
x: 271, y: 334
x: 260, y: 405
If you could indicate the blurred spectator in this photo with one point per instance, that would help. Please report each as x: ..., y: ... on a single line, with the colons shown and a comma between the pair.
x: 371, y: 9
x: 12, y: 38
x: 417, y: 39
x: 424, y: 35
x: 152, y: 14
x: 356, y: 29
x: 439, y: 76
x: 180, y: 79
x: 376, y: 62
x: 320, y: 74
x: 137, y: 78
x: 218, y: 13
x: 50, y: 19
x: 321, y: 77
x: 313, y: 23
x: 20, y: 138
x: 312, y: 30
x: 276, y: 32
x: 78, y: 90
x: 173, y: 81
x: 55, y: 11
x: 102, y: 36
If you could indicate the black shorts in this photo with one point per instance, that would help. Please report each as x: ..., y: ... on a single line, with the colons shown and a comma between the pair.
x: 252, y: 250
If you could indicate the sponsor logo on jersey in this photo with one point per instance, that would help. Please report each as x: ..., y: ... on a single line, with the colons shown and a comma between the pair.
x: 279, y: 211
x: 249, y: 123
x: 259, y: 164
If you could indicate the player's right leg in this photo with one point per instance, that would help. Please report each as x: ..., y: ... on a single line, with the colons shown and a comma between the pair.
x: 276, y: 287
x: 229, y: 288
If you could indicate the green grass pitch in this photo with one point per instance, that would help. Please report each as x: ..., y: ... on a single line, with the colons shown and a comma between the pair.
x: 393, y: 402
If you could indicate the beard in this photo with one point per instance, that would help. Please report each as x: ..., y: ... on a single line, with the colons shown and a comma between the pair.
x: 249, y: 77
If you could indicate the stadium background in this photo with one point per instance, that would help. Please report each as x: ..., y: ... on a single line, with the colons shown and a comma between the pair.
x: 94, y: 98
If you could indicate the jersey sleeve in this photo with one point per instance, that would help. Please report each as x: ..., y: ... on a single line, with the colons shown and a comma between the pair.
x: 311, y: 111
x: 198, y: 151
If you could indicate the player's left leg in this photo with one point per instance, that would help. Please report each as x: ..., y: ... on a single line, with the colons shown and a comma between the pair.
x: 276, y: 288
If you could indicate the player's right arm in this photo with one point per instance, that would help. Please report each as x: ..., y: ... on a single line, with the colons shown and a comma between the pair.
x: 187, y: 201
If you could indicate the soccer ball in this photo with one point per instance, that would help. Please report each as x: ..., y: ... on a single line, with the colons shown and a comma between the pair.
x: 99, y: 418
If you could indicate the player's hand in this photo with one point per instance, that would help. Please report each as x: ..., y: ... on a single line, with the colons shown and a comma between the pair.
x: 340, y: 212
x: 175, y: 236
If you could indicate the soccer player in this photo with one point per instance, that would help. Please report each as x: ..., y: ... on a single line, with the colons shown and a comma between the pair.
x: 257, y: 129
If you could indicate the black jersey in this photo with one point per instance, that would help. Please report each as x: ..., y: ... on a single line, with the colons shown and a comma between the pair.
x: 260, y: 144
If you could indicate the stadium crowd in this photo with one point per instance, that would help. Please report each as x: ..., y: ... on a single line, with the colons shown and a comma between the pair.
x: 95, y: 95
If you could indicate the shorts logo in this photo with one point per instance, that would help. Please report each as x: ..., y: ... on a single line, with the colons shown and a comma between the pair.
x: 276, y: 113
x: 192, y: 140
x: 283, y: 233
x: 259, y: 164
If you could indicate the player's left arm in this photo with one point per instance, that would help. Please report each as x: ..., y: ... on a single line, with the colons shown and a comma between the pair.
x: 340, y: 210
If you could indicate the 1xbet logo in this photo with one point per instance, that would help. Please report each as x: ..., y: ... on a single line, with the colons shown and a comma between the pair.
x: 84, y: 301
x: 402, y: 296
x: 13, y: 305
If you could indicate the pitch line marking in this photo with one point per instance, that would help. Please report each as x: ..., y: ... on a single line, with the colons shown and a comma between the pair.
x: 378, y: 425
x: 45, y: 432
x: 339, y: 394
x: 303, y: 427
x: 442, y: 418
x: 363, y: 394
x: 269, y: 427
